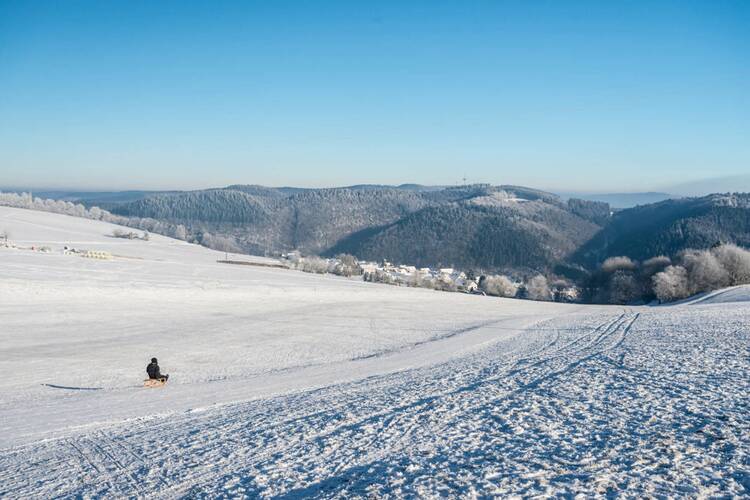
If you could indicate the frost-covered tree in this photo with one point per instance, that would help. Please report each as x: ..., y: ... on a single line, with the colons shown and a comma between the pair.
x: 180, y: 232
x: 654, y: 265
x: 705, y: 272
x: 313, y: 265
x: 671, y: 284
x: 221, y: 243
x: 500, y: 286
x: 735, y: 261
x: 613, y: 264
x: 346, y: 265
x: 96, y: 213
x: 421, y: 279
x: 538, y: 289
x: 26, y: 201
x: 702, y: 271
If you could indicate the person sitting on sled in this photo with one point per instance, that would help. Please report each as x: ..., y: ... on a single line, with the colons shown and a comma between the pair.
x: 153, y: 371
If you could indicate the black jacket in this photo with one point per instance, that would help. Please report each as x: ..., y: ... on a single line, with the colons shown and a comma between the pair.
x: 153, y: 370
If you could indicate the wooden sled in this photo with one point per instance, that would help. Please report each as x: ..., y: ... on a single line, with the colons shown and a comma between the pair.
x: 153, y: 383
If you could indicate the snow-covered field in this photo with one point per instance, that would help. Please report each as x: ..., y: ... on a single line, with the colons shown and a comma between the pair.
x: 285, y: 384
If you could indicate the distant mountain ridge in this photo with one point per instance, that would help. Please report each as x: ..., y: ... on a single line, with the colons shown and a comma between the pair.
x: 482, y: 226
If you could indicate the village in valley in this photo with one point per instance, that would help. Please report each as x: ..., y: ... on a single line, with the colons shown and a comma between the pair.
x: 446, y: 279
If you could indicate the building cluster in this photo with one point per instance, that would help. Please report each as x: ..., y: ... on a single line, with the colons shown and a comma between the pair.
x: 446, y: 279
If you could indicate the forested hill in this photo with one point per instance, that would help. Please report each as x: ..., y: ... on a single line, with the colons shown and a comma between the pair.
x: 482, y: 226
x: 268, y: 220
x: 667, y: 227
x: 476, y: 233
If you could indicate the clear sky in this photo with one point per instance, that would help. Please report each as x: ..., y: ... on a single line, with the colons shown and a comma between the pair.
x: 600, y: 95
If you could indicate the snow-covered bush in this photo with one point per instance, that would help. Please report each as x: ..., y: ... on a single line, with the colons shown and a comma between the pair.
x: 130, y: 235
x: 538, y: 288
x: 500, y: 286
x: 671, y: 284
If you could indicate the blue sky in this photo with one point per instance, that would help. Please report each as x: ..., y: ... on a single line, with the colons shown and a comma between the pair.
x: 613, y: 96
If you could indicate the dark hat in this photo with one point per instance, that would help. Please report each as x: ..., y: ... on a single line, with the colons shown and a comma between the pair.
x: 153, y: 360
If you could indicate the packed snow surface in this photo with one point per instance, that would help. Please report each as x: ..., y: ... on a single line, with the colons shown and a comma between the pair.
x: 732, y: 294
x: 285, y: 384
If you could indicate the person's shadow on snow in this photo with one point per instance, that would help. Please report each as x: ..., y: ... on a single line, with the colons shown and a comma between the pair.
x: 73, y: 388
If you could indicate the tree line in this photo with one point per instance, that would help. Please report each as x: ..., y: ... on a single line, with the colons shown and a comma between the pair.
x: 621, y: 280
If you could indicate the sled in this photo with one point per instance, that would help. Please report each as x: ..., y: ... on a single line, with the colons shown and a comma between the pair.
x: 153, y: 383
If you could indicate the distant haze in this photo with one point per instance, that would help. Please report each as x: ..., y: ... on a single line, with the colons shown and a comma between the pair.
x: 620, y: 200
x: 731, y: 184
x: 739, y: 183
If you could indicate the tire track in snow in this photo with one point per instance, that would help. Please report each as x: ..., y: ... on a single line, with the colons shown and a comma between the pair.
x: 106, y: 475
x: 389, y: 418
x: 108, y: 457
x: 542, y: 429
x: 269, y: 453
x: 381, y: 422
x: 605, y: 332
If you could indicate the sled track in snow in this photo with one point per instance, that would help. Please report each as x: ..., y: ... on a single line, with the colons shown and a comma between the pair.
x: 558, y: 409
x: 231, y: 443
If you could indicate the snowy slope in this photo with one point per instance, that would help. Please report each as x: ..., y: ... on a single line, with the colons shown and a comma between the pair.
x: 732, y: 294
x: 290, y: 384
x: 91, y: 325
